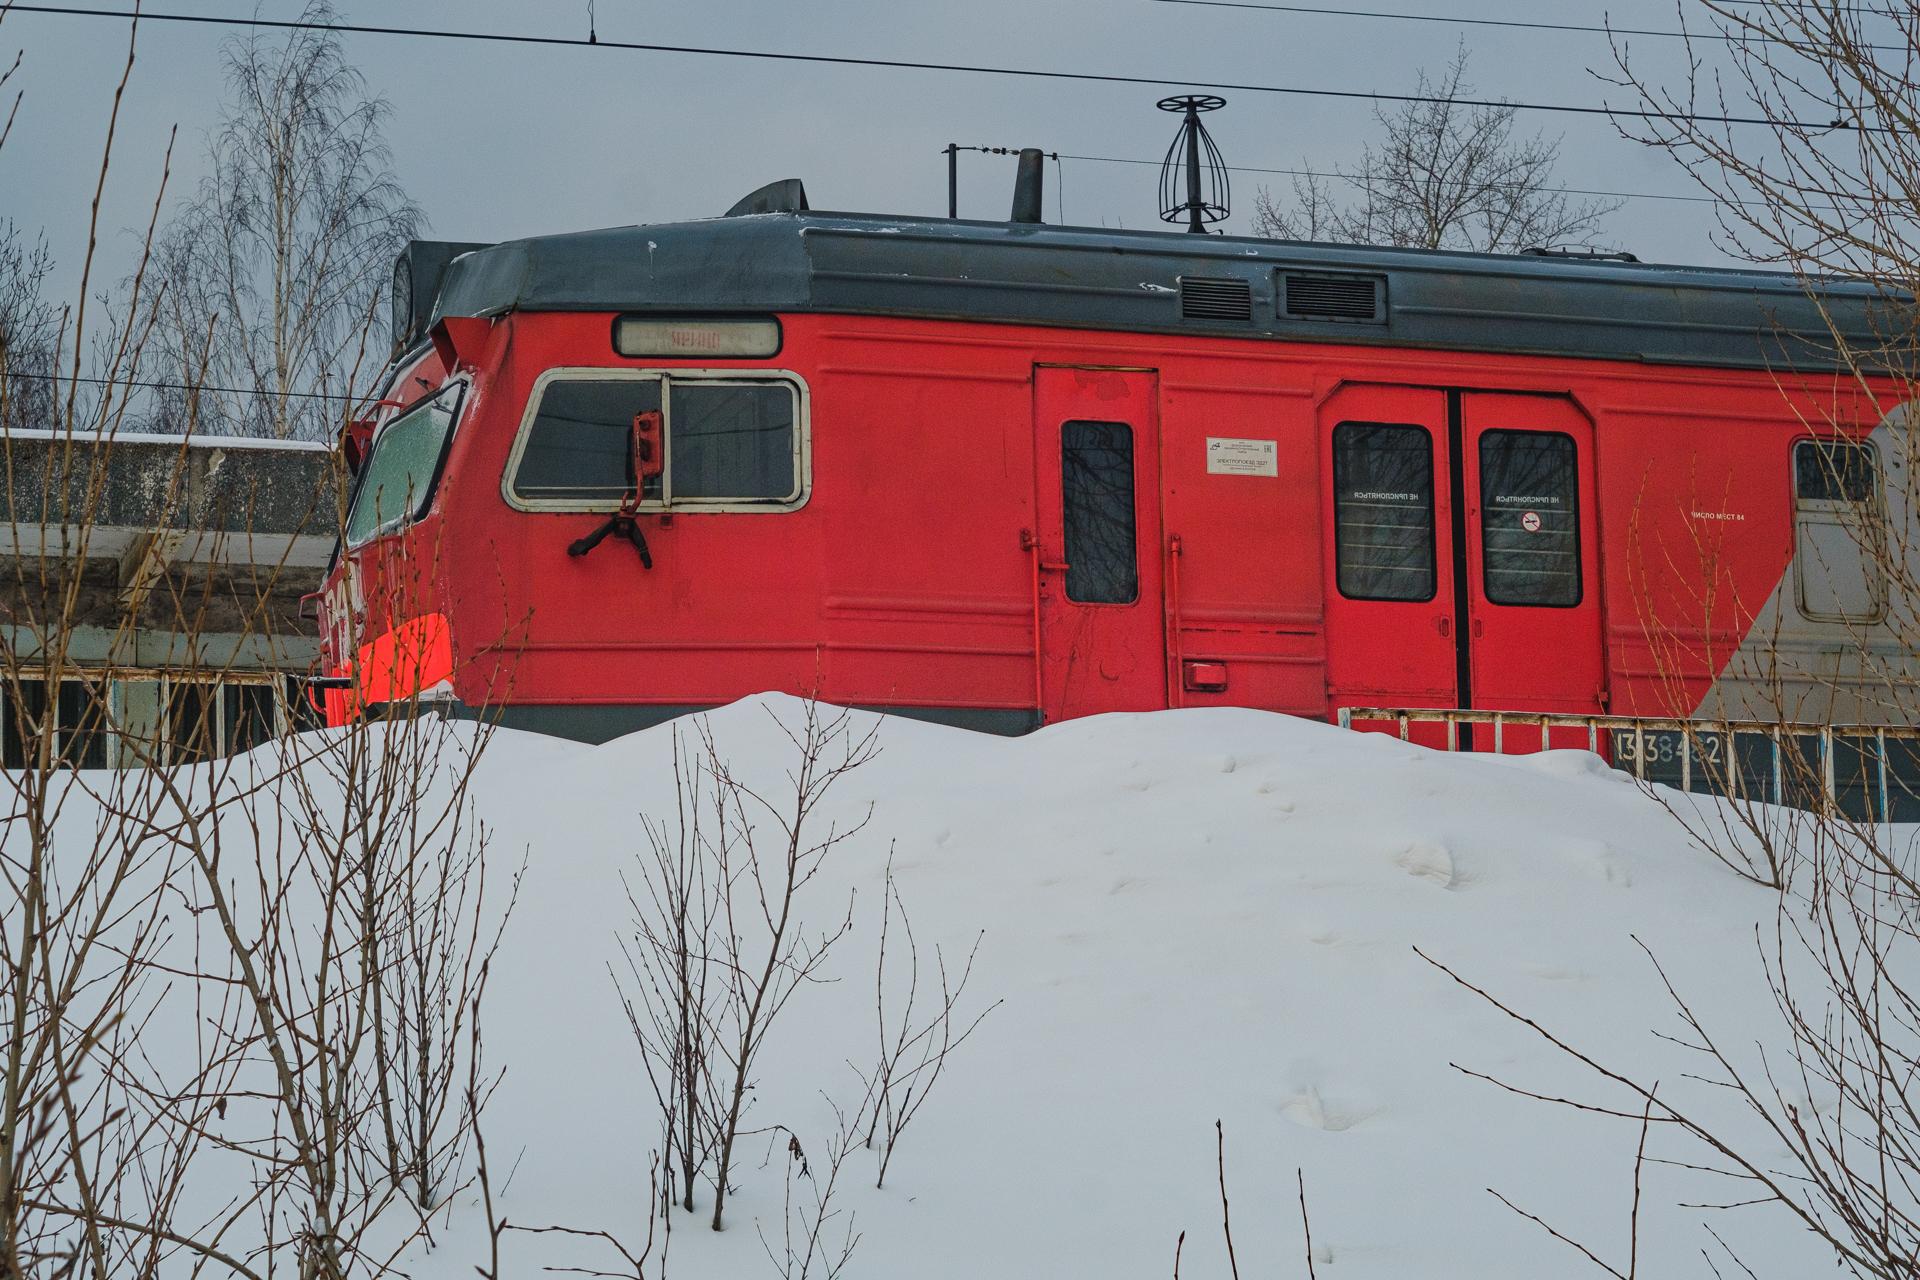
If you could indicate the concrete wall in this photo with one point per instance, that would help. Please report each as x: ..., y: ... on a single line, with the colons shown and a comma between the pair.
x: 157, y: 553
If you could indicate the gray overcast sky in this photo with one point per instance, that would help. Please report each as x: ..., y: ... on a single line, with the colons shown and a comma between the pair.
x: 502, y: 141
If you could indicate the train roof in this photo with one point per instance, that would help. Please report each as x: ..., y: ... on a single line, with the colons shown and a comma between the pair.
x: 1152, y: 282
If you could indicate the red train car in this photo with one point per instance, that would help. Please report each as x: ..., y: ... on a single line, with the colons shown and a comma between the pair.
x: 1002, y: 474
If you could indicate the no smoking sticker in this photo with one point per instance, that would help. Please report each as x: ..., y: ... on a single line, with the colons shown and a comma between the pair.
x: 1530, y: 521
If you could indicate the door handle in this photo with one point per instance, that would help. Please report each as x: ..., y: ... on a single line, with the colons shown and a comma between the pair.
x: 1479, y: 629
x: 1444, y: 625
x: 1031, y: 545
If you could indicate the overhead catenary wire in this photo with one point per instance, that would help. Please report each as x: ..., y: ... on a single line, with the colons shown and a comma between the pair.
x: 1361, y: 179
x: 905, y: 64
x: 1459, y: 20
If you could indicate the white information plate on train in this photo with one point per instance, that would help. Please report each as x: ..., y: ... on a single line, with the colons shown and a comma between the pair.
x: 1227, y: 457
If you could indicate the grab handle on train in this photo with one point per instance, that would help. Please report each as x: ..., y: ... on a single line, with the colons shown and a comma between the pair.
x: 624, y: 524
x: 645, y: 461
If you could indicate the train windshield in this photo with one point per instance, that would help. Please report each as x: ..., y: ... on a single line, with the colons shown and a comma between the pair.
x: 397, y: 483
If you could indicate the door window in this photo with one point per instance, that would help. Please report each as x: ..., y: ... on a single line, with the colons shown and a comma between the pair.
x: 1383, y: 511
x: 1096, y: 486
x: 1839, y: 546
x: 1530, y: 518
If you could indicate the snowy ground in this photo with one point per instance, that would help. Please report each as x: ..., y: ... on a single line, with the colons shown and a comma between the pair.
x: 1190, y: 916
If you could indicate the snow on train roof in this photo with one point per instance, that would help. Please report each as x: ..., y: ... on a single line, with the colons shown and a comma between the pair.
x: 1156, y: 282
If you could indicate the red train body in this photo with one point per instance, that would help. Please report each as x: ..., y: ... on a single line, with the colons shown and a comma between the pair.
x: 957, y: 471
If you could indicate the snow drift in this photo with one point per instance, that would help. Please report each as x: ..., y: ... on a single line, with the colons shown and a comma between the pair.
x: 1190, y: 916
x: 1187, y: 918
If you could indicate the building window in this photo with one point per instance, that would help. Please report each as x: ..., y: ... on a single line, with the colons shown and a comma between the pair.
x: 1530, y: 518
x: 1839, y: 541
x: 730, y: 442
x: 83, y: 718
x: 193, y: 722
x: 1097, y: 514
x: 1383, y: 511
x: 75, y: 719
x: 106, y: 722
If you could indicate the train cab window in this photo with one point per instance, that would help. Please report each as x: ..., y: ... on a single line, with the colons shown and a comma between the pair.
x: 1383, y: 511
x: 396, y: 484
x: 1838, y: 540
x: 1097, y: 512
x: 731, y: 443
x: 576, y: 450
x: 1530, y: 518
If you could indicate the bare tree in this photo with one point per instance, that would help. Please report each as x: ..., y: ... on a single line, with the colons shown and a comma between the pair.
x: 274, y: 273
x: 1798, y: 116
x: 1830, y: 183
x: 1446, y: 174
x: 817, y: 1239
x: 239, y: 993
x: 721, y: 938
x: 675, y: 990
x: 913, y: 1049
x: 29, y: 329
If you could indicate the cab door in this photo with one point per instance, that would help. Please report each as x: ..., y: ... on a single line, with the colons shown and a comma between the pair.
x: 1389, y: 546
x: 1100, y: 610
x: 1532, y: 555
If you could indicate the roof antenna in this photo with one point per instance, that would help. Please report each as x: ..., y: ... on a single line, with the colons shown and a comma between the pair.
x: 1193, y: 162
x: 593, y: 34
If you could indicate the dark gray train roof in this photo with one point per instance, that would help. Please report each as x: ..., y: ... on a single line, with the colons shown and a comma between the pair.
x: 1159, y: 282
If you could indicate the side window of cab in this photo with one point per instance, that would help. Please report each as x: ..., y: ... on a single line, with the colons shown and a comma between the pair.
x: 733, y: 440
x: 397, y: 483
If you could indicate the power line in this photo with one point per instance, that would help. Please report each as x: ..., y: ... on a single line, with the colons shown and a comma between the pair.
x: 1361, y: 180
x: 1515, y: 23
x: 176, y: 386
x: 842, y: 60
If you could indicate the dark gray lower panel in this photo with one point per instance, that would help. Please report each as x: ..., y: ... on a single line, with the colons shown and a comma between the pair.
x: 602, y: 723
x: 1007, y: 724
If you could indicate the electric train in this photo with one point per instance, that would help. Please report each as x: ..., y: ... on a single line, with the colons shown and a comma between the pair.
x: 1001, y: 474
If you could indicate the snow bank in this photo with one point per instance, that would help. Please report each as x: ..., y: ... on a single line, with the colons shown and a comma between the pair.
x: 1190, y: 916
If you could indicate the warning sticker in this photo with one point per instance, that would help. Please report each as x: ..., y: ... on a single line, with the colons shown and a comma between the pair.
x: 1530, y: 522
x: 1227, y: 457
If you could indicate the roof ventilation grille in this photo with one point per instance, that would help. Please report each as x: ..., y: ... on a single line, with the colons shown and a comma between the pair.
x: 1204, y: 298
x: 1329, y: 296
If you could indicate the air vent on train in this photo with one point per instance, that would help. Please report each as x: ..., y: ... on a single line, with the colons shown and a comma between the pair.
x: 1356, y: 299
x: 1222, y: 298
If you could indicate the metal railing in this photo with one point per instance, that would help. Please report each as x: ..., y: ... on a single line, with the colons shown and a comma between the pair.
x: 1846, y: 768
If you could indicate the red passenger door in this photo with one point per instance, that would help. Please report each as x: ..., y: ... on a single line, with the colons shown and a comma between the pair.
x: 1462, y: 556
x: 1100, y: 612
x: 1532, y: 555
x: 1391, y: 626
